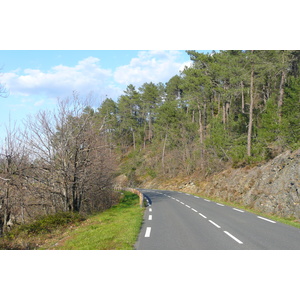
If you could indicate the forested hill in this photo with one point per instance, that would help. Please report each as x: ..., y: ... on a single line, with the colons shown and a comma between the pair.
x: 230, y: 108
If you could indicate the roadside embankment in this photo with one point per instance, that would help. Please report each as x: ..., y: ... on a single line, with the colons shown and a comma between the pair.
x: 272, y: 188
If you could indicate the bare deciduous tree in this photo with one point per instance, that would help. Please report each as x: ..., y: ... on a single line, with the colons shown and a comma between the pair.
x: 70, y: 155
x: 13, y: 163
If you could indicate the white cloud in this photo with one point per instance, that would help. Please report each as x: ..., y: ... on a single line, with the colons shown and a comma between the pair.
x: 61, y: 80
x: 88, y: 75
x: 186, y: 64
x: 156, y: 66
x: 39, y: 103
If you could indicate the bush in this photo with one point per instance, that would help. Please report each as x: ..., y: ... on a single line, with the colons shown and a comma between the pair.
x: 48, y: 223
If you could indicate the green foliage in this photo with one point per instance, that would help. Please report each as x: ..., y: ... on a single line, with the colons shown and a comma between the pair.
x: 218, y: 138
x: 202, y: 116
x: 291, y: 113
x: 46, y: 224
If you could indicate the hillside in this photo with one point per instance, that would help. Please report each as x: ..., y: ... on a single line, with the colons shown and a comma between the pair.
x: 227, y: 112
x: 273, y: 187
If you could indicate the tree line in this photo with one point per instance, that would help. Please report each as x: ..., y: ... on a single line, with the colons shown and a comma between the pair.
x: 229, y: 107
x: 59, y: 162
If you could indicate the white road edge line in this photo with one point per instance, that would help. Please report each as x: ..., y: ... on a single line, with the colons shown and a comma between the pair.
x: 220, y: 204
x: 266, y: 219
x: 214, y: 223
x: 203, y: 216
x: 148, y: 231
x: 238, y: 210
x: 150, y: 217
x: 206, y: 200
x: 233, y: 237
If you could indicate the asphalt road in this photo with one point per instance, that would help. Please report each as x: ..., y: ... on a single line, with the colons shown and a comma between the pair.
x: 179, y: 221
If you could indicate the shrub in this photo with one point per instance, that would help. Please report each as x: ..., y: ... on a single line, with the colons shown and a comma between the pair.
x: 48, y: 223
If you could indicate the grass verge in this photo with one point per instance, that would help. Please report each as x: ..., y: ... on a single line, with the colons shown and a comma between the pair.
x: 114, y: 229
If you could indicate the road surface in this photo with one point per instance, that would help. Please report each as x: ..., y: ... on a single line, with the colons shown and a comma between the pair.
x: 180, y: 221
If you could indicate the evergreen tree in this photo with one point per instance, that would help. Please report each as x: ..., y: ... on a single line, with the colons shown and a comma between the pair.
x: 130, y: 118
x: 291, y: 113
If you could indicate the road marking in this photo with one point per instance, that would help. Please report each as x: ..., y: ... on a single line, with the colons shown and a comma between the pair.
x: 177, y: 200
x: 187, y: 206
x: 197, y: 197
x: 181, y: 202
x: 233, y: 237
x: 202, y: 216
x: 148, y: 231
x: 206, y: 200
x: 238, y: 210
x: 194, y: 210
x: 150, y: 217
x: 150, y: 209
x: 187, y: 194
x: 220, y: 204
x: 214, y: 223
x: 266, y: 219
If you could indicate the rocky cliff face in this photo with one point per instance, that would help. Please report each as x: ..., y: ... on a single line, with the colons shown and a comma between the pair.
x: 273, y: 187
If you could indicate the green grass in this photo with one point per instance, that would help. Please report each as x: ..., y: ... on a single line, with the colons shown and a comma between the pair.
x: 114, y: 229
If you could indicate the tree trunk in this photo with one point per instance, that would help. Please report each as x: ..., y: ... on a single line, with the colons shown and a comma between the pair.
x: 200, y: 127
x: 243, y: 98
x: 163, y: 154
x: 133, y: 137
x: 224, y: 114
x: 281, y: 91
x: 250, y: 113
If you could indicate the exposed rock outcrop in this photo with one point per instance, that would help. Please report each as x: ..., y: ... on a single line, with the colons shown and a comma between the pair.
x: 273, y: 187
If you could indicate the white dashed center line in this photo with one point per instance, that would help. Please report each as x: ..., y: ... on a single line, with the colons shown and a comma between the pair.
x: 187, y: 206
x: 194, y: 210
x: 150, y: 217
x: 233, y: 237
x: 214, y: 224
x: 148, y: 231
x: 202, y: 216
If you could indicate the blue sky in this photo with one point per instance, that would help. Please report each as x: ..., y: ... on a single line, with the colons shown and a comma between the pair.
x: 36, y: 78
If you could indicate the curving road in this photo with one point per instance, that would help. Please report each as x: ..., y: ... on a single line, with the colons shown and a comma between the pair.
x: 179, y: 221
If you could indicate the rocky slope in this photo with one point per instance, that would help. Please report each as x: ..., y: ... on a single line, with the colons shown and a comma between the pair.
x: 273, y: 187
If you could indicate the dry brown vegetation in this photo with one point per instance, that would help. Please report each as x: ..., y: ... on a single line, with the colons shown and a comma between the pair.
x: 60, y: 163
